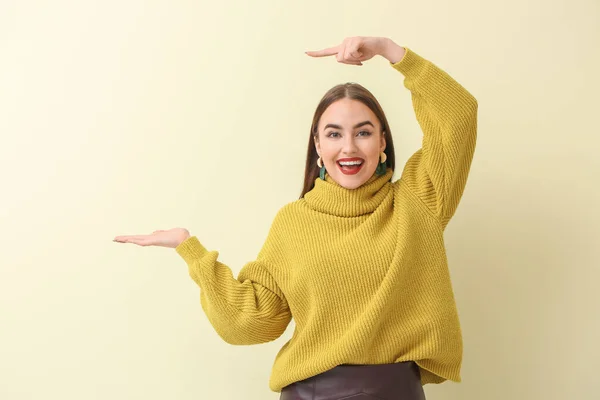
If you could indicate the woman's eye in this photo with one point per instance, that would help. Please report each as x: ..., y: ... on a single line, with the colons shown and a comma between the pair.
x: 361, y: 133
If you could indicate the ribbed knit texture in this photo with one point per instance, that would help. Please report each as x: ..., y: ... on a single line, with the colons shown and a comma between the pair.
x: 363, y: 272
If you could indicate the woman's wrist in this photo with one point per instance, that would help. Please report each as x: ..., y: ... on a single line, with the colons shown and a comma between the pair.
x: 185, y: 235
x: 392, y: 51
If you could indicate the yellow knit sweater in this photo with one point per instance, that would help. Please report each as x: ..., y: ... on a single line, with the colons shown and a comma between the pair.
x: 363, y: 272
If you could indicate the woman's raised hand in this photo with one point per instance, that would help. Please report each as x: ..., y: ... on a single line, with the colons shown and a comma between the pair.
x: 163, y: 238
x: 354, y: 50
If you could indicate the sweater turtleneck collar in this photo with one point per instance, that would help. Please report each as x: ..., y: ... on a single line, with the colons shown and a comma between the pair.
x: 329, y: 197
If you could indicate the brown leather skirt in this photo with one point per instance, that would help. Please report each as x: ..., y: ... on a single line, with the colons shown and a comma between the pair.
x: 398, y: 381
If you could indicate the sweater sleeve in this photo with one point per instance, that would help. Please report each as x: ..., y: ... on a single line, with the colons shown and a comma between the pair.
x: 447, y: 114
x: 249, y: 309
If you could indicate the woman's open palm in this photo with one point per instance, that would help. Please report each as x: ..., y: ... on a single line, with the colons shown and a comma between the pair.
x: 163, y: 238
x: 353, y: 50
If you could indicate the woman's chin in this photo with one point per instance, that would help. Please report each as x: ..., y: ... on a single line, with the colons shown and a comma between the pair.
x: 350, y: 181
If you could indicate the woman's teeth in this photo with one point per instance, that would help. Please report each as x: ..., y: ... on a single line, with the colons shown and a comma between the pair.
x: 343, y: 163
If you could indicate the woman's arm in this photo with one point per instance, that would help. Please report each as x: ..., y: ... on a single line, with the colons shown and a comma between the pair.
x: 248, y: 310
x: 447, y: 114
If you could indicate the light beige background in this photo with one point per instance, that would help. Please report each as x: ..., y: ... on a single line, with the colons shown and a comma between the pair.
x: 124, y: 117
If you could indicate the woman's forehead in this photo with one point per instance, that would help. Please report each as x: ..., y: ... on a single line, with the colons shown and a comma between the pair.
x: 347, y: 113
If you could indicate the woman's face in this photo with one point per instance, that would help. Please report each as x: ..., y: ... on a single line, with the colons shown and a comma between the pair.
x: 349, y: 132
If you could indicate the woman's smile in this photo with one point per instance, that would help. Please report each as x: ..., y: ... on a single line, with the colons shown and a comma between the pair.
x: 350, y: 166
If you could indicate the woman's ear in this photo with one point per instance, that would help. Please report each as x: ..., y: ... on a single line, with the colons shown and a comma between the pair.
x: 317, y: 145
x: 383, y: 142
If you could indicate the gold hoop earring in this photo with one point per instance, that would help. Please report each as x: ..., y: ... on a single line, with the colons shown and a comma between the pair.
x: 381, y: 167
x: 322, y: 170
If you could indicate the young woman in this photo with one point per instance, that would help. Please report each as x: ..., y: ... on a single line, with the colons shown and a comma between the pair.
x: 358, y: 260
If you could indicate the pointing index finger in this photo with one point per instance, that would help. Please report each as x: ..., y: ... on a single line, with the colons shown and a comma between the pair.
x: 324, y: 53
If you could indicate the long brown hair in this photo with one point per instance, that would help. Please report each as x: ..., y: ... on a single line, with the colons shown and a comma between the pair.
x: 352, y: 91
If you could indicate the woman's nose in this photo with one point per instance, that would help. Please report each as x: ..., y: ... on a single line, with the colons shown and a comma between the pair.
x: 349, y: 145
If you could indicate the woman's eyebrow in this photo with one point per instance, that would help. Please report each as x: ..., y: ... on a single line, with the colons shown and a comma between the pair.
x: 354, y: 127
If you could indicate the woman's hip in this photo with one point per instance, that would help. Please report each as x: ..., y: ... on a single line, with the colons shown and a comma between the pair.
x: 360, y: 382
